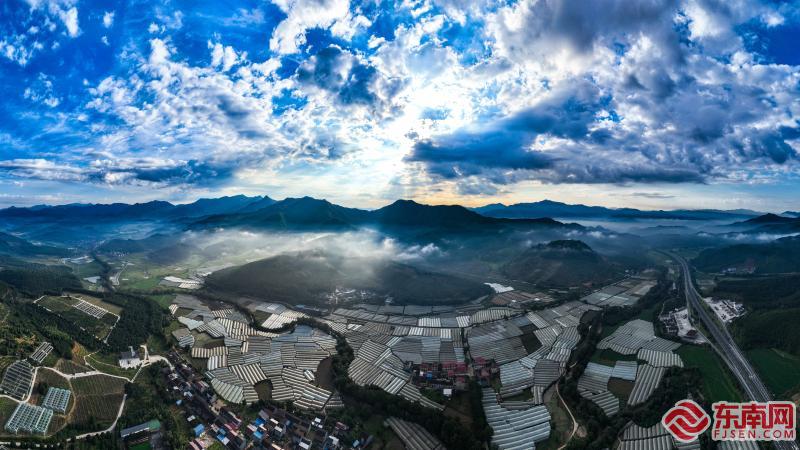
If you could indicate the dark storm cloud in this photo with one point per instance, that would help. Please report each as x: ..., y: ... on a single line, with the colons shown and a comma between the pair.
x: 351, y: 81
x: 506, y: 143
x: 241, y: 117
x: 582, y: 24
x: 504, y: 151
x: 552, y: 24
x: 772, y: 145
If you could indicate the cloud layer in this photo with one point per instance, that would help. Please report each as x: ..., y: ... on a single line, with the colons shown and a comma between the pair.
x: 428, y: 98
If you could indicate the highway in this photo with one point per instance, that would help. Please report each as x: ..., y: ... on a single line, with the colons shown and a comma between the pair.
x: 727, y: 349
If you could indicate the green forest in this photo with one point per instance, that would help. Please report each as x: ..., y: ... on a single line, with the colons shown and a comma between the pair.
x: 36, y: 279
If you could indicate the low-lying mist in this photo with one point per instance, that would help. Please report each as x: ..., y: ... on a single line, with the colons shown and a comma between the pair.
x: 227, y: 247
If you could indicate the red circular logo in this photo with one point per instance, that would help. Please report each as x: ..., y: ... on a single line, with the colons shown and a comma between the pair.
x: 686, y: 420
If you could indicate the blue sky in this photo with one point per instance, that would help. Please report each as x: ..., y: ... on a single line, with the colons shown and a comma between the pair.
x: 649, y: 103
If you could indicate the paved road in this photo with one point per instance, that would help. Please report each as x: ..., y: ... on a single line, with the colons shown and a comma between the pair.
x: 727, y: 349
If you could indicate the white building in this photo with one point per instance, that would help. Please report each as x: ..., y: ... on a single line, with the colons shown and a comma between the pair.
x: 129, y: 359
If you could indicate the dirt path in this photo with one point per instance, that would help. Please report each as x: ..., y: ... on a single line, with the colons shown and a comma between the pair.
x: 574, y: 422
x: 151, y: 359
x: 69, y: 377
x: 113, y: 425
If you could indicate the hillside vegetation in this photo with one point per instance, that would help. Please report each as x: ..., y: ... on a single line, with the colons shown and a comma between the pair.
x: 307, y: 276
x: 773, y: 320
x: 12, y: 245
x: 561, y: 263
x: 778, y: 328
x: 779, y: 256
x: 762, y: 292
x: 36, y: 279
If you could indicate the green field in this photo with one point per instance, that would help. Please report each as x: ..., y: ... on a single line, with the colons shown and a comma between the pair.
x: 718, y: 383
x: 608, y: 357
x: 649, y: 314
x: 621, y: 388
x: 7, y: 407
x: 779, y: 370
x: 97, y: 399
x: 163, y: 300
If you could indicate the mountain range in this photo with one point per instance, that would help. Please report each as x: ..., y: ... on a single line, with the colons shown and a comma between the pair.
x: 116, y: 212
x: 82, y: 224
x: 308, y: 212
x: 549, y: 208
x: 265, y: 211
x: 12, y: 245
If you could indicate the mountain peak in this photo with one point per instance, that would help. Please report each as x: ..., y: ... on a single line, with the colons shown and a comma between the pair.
x: 769, y: 218
x: 411, y: 213
x: 567, y: 244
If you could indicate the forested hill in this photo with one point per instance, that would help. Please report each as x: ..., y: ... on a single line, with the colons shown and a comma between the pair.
x: 306, y: 277
x: 562, y: 263
x: 779, y: 256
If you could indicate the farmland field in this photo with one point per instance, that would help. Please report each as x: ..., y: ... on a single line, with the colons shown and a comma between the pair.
x: 6, y: 361
x: 98, y: 385
x: 58, y: 422
x: 620, y: 388
x: 609, y: 357
x: 99, y: 409
x: 717, y: 382
x: 71, y: 367
x: 110, y: 307
x: 47, y: 378
x: 778, y: 369
x: 108, y: 363
x: 6, y: 408
x: 97, y: 399
x: 65, y: 308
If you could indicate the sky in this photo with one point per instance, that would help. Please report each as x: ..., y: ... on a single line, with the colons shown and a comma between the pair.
x: 639, y: 103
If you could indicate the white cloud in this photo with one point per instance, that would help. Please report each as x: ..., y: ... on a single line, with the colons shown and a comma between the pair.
x: 159, y: 53
x: 672, y: 87
x: 16, y: 50
x: 224, y: 56
x: 70, y: 19
x: 302, y: 15
x: 108, y: 19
